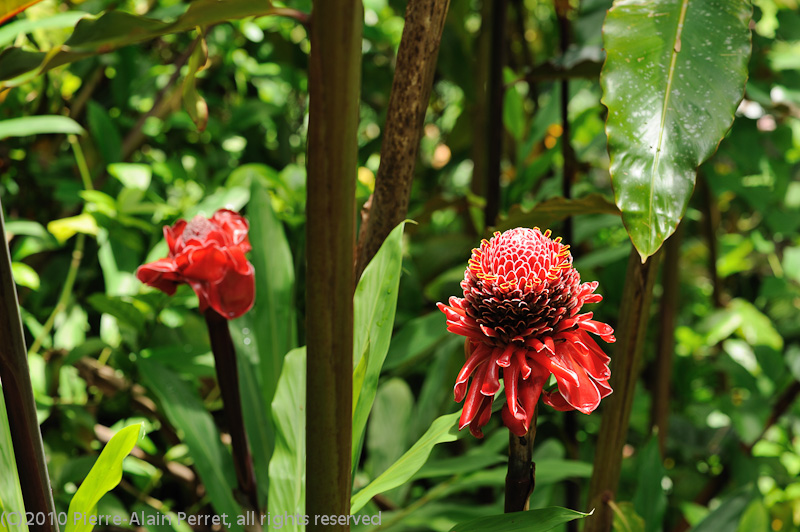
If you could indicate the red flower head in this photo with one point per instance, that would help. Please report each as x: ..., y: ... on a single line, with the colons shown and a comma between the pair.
x: 520, y: 315
x: 208, y: 255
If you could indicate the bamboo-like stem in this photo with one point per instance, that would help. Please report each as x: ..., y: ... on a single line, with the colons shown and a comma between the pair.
x: 411, y: 91
x: 480, y: 111
x: 631, y: 329
x: 334, y: 85
x: 228, y: 378
x: 662, y: 376
x: 496, y: 94
x: 521, y: 476
x: 19, y: 399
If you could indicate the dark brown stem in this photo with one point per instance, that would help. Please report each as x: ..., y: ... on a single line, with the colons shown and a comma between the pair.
x: 662, y: 376
x: 496, y: 93
x: 411, y: 91
x: 521, y: 476
x: 631, y: 329
x: 480, y: 110
x: 19, y: 399
x: 334, y: 84
x: 711, y: 221
x: 228, y: 378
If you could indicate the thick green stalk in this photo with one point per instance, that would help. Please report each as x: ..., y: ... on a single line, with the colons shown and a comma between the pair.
x: 631, y: 329
x: 18, y: 393
x: 334, y: 85
x: 228, y: 378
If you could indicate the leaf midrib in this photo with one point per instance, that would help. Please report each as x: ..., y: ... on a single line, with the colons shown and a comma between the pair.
x: 667, y: 94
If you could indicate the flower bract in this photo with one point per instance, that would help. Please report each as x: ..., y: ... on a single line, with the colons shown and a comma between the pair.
x: 521, y: 318
x: 208, y: 254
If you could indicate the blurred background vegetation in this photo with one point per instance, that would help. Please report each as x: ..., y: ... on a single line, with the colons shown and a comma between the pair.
x: 733, y: 436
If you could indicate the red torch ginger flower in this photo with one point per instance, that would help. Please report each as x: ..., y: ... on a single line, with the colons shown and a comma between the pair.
x: 520, y: 316
x: 209, y: 256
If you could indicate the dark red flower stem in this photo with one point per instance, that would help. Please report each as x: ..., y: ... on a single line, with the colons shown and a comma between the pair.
x: 18, y: 393
x: 521, y: 476
x: 228, y: 377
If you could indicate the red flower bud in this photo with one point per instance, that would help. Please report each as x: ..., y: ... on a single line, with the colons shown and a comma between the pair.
x: 209, y: 256
x: 520, y: 316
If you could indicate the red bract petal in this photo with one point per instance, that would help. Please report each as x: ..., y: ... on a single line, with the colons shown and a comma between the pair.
x: 173, y: 234
x: 234, y: 295
x: 161, y: 274
x: 520, y: 311
x: 207, y: 254
x: 474, y: 399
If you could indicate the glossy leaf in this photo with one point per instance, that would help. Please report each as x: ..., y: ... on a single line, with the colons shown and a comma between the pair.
x: 287, y: 470
x: 185, y: 411
x: 104, y: 476
x: 444, y: 429
x: 37, y: 125
x: 674, y: 74
x: 539, y: 520
x: 374, y: 306
x: 10, y: 493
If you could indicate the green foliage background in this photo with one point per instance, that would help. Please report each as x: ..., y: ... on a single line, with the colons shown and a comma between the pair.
x: 104, y: 350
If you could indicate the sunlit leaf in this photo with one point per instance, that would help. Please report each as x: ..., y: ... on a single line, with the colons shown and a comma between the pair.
x: 37, y: 125
x: 104, y: 476
x: 674, y: 74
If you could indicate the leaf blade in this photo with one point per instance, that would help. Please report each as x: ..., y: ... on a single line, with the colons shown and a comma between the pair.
x: 674, y: 74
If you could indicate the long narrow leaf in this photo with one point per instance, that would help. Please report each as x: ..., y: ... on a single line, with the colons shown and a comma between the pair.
x: 374, y: 304
x: 539, y: 520
x: 444, y: 429
x: 10, y: 493
x: 186, y: 412
x: 104, y: 476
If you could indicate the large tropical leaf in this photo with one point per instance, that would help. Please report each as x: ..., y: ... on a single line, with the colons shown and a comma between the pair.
x: 674, y: 74
x: 374, y: 306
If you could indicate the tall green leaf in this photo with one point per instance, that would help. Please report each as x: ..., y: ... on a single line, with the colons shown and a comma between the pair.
x: 444, y: 429
x: 185, y: 411
x: 35, y: 125
x: 374, y: 303
x: 287, y: 470
x: 539, y: 520
x: 674, y: 74
x: 10, y: 492
x: 726, y: 516
x: 274, y: 315
x: 104, y: 476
